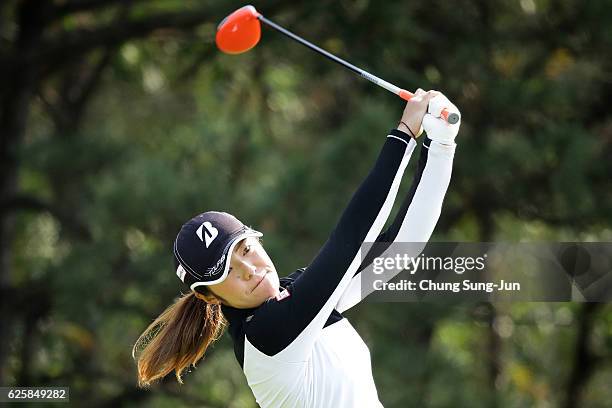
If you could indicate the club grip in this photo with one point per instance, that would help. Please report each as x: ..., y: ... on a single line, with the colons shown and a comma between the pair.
x: 449, y: 117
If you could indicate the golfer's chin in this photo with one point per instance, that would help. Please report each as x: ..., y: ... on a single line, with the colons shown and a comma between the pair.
x: 272, y: 285
x: 268, y: 287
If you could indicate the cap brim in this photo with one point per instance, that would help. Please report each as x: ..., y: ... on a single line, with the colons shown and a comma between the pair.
x: 228, y: 250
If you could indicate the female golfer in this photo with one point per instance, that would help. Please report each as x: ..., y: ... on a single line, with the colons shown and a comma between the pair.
x: 290, y: 338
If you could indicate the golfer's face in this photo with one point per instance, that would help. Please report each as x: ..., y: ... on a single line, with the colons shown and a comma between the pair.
x: 252, y: 278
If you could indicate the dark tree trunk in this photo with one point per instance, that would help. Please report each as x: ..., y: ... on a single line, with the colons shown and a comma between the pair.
x: 18, y: 87
x: 584, y: 361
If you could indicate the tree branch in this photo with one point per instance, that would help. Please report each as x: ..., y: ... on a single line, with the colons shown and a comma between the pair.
x: 26, y: 202
x: 63, y: 48
x: 79, y: 6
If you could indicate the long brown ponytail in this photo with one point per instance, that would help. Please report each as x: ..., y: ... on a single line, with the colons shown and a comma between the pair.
x: 178, y: 338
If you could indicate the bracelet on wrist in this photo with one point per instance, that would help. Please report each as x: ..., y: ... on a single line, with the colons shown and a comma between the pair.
x: 407, y: 127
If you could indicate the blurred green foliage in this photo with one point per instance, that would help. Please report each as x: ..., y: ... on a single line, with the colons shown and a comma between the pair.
x: 281, y: 137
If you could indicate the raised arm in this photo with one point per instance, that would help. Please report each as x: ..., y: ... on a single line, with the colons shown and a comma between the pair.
x: 422, y: 205
x: 315, y: 292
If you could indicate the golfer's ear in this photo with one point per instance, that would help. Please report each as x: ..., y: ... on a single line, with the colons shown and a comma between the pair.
x: 208, y: 298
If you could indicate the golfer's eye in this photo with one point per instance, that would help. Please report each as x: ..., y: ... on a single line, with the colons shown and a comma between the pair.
x: 247, y: 249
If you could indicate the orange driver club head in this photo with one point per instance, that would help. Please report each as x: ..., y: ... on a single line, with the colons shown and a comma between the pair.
x: 240, y: 31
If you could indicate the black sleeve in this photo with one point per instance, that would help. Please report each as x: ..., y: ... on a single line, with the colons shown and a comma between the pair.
x: 416, y: 219
x: 387, y: 237
x: 297, y: 320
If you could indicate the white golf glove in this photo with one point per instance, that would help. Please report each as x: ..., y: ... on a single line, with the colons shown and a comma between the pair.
x: 437, y: 128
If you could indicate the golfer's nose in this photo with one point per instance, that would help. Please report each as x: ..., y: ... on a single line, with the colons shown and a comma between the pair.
x: 248, y: 270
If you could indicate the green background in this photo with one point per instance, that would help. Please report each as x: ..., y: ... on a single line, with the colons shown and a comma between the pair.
x: 119, y: 120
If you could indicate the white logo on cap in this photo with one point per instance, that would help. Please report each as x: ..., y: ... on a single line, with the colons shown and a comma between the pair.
x: 180, y: 272
x: 210, y: 235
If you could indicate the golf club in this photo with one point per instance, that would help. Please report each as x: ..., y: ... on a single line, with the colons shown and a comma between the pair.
x: 241, y: 31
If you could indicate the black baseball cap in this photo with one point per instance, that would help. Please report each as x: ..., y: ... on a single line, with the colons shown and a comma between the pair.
x: 203, y: 247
